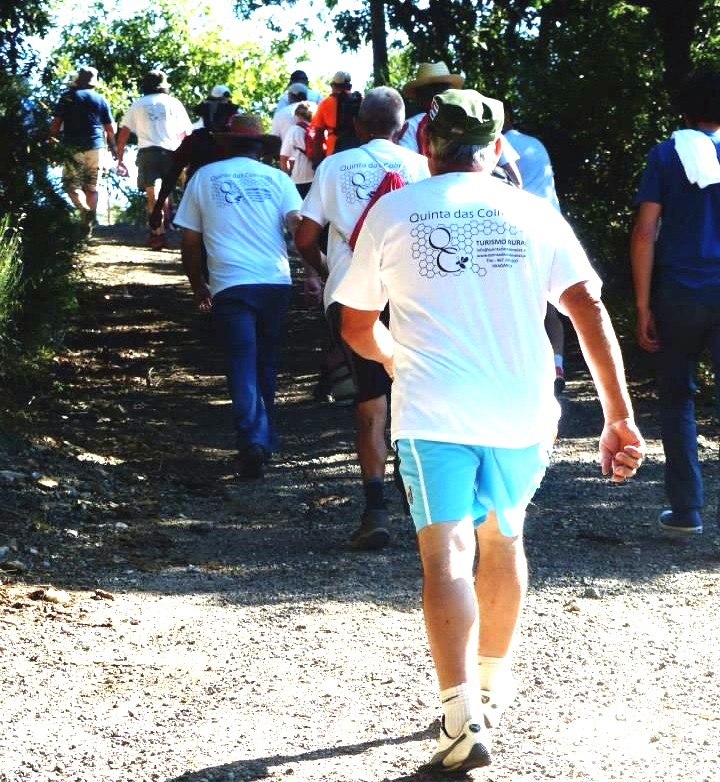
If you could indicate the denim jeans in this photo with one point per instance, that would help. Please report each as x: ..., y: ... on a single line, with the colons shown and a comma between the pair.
x: 248, y: 322
x: 685, y: 329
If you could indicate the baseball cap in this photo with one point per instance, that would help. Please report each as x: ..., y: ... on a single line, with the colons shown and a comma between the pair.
x: 341, y: 77
x: 220, y: 91
x: 298, y: 88
x: 466, y: 116
x: 87, y: 76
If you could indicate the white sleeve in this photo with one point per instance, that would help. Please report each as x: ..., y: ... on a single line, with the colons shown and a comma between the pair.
x: 362, y: 287
x: 290, y: 200
x: 188, y: 214
x: 570, y: 263
x: 313, y: 205
x: 128, y: 119
x: 288, y: 147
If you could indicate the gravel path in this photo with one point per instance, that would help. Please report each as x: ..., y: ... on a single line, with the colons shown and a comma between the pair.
x: 160, y: 621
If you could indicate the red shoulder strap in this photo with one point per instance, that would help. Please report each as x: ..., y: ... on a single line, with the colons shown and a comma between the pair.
x: 391, y: 181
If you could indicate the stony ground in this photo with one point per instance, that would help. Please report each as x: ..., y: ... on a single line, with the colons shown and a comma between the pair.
x: 160, y: 621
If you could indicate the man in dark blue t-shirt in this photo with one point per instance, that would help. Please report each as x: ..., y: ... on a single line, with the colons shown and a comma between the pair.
x: 83, y: 117
x: 675, y: 255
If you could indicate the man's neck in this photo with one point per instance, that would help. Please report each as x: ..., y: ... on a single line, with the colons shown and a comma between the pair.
x: 709, y: 127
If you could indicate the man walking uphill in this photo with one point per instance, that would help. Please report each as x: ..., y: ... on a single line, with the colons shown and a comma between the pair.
x: 341, y: 191
x: 84, y: 118
x: 468, y: 266
x: 680, y: 195
x: 160, y: 123
x: 238, y: 208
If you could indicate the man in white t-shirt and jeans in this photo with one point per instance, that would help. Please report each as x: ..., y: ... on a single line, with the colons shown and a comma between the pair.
x: 468, y: 266
x: 160, y: 123
x: 238, y: 208
x: 344, y: 183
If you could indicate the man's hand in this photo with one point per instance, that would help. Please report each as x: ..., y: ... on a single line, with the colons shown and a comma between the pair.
x: 622, y: 449
x: 202, y: 297
x: 313, y: 290
x: 122, y: 169
x: 646, y: 332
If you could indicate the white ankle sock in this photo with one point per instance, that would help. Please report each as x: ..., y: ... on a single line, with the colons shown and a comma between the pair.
x: 494, y: 672
x: 460, y: 703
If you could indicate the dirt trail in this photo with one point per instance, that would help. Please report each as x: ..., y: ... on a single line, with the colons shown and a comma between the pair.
x: 199, y: 629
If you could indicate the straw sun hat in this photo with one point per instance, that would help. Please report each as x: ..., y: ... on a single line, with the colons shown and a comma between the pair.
x: 433, y: 73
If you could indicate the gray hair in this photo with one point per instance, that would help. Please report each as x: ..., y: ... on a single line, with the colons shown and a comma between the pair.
x: 382, y: 111
x: 449, y: 152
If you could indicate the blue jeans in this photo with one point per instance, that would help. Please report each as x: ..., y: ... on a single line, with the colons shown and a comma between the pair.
x: 248, y: 322
x: 685, y: 329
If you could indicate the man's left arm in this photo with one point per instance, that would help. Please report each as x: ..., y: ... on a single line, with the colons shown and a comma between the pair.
x: 621, y: 445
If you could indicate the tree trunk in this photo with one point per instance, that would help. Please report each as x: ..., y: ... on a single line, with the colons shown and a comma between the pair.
x: 378, y: 35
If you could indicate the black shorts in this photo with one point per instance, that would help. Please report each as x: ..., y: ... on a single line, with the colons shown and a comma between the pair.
x: 370, y: 378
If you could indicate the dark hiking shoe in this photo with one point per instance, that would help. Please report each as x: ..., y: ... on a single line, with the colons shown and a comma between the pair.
x: 671, y: 524
x: 469, y: 749
x: 251, y: 462
x: 373, y: 531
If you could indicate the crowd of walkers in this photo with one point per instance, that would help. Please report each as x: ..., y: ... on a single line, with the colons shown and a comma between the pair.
x: 444, y: 266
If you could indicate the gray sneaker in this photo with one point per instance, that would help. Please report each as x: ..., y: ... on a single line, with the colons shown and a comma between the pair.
x: 373, y: 531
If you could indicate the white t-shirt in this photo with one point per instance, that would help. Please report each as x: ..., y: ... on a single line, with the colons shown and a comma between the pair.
x: 158, y: 120
x: 284, y: 119
x: 293, y: 146
x: 239, y: 205
x: 343, y: 184
x: 409, y: 140
x: 534, y: 164
x: 409, y: 137
x: 468, y: 265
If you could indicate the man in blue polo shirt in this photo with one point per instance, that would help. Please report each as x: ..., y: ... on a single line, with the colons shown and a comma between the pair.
x: 83, y: 117
x: 675, y: 253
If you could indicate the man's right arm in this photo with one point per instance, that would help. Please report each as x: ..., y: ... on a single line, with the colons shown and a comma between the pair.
x: 642, y: 258
x: 121, y: 139
x: 307, y: 239
x: 621, y: 444
x: 191, y: 255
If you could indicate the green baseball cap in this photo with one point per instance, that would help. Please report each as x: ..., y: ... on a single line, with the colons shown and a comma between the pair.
x: 466, y: 116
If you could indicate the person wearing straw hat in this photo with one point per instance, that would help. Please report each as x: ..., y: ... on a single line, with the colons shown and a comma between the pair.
x: 468, y: 265
x: 84, y: 120
x: 238, y: 208
x: 160, y: 123
x: 433, y: 78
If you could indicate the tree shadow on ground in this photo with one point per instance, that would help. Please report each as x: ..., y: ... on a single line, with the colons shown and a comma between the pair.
x: 134, y: 433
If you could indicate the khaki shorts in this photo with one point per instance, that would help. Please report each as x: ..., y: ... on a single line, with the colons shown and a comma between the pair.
x: 83, y: 171
x: 153, y: 163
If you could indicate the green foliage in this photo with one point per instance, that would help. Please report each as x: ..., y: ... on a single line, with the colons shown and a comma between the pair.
x: 38, y: 240
x: 180, y: 38
x: 10, y: 265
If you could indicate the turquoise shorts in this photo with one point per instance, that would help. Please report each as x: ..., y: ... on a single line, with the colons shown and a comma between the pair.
x: 451, y: 482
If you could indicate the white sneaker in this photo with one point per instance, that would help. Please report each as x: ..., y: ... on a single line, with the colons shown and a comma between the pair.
x: 469, y: 749
x: 494, y: 703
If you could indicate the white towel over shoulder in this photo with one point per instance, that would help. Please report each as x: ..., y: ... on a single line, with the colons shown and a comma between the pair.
x: 698, y: 155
